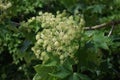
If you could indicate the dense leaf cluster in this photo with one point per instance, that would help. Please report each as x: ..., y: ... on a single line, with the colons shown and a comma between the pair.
x: 57, y: 45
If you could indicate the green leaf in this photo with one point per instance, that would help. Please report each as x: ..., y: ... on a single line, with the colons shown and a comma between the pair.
x: 50, y: 63
x: 83, y: 77
x: 78, y: 76
x: 96, y: 8
x: 61, y: 73
x: 12, y: 28
x: 100, y: 40
x: 43, y: 72
x: 26, y: 45
x: 117, y: 2
x: 74, y: 76
x: 37, y: 77
x: 53, y: 61
x: 68, y: 3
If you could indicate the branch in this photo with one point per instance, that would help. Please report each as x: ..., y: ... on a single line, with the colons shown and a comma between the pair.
x: 15, y: 23
x: 111, y: 31
x: 116, y: 22
x: 103, y: 25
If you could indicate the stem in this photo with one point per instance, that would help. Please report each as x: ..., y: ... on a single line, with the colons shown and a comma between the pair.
x: 111, y: 31
x: 116, y: 22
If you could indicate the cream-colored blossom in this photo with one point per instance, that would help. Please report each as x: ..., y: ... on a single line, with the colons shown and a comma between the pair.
x: 37, y: 37
x: 49, y: 48
x: 57, y: 44
x: 58, y: 37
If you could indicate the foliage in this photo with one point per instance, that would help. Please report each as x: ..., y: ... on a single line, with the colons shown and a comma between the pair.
x: 50, y: 36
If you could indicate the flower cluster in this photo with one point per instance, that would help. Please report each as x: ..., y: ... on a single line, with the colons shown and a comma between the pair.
x: 4, y: 6
x: 3, y: 10
x: 59, y: 37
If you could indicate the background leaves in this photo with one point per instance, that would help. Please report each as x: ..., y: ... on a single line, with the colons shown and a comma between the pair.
x: 98, y: 56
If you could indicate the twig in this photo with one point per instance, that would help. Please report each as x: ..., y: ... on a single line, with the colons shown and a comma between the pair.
x: 15, y: 23
x: 111, y: 31
x: 116, y: 22
x: 103, y: 25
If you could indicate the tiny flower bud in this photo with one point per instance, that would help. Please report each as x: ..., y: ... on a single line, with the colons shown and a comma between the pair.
x: 42, y: 35
x: 40, y: 13
x: 33, y: 18
x: 56, y: 43
x: 38, y: 51
x: 43, y: 54
x: 37, y: 37
x: 32, y: 49
x: 40, y: 41
x: 61, y: 57
x: 61, y: 34
x: 30, y: 20
x: 48, y: 48
x: 65, y: 37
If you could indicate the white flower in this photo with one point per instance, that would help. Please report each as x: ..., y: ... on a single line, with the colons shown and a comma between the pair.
x: 40, y: 41
x: 43, y: 25
x: 32, y: 49
x: 54, y: 39
x: 49, y: 49
x: 56, y: 44
x: 62, y: 57
x: 42, y: 35
x: 30, y: 20
x: 43, y: 54
x: 37, y: 37
x: 65, y: 37
x: 46, y: 42
x: 33, y: 18
x: 61, y: 34
x: 40, y: 13
x: 38, y: 51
